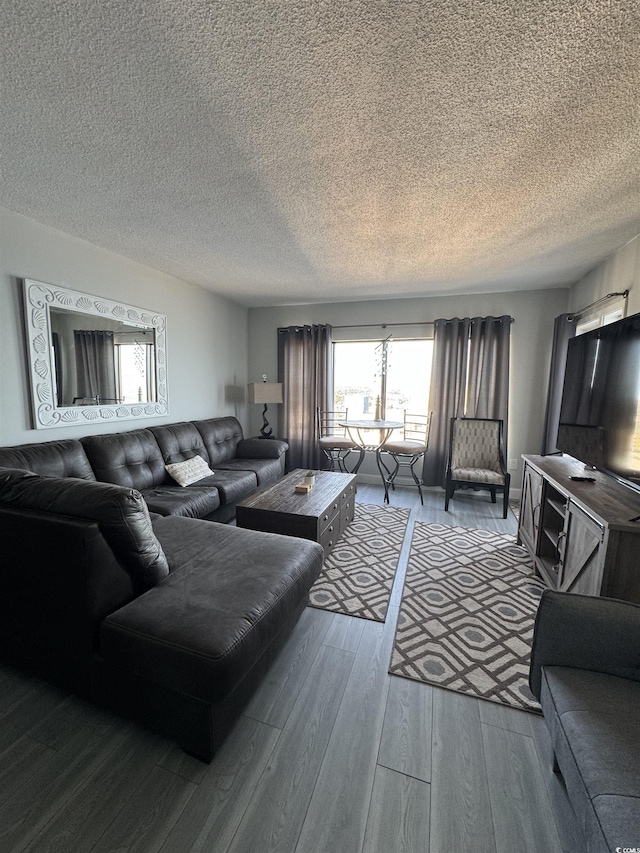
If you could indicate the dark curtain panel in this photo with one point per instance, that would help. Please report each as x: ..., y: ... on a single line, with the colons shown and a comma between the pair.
x: 563, y: 330
x: 95, y: 364
x: 305, y: 368
x: 469, y: 378
x: 448, y: 389
x: 488, y: 387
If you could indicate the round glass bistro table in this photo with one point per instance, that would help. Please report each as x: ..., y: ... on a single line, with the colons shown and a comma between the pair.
x: 369, y: 435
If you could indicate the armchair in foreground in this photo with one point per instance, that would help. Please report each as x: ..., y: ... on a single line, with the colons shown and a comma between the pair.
x: 585, y: 670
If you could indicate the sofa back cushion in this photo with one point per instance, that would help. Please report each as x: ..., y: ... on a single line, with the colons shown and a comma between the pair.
x: 122, y: 514
x: 64, y: 458
x: 132, y: 459
x: 220, y: 437
x: 178, y: 442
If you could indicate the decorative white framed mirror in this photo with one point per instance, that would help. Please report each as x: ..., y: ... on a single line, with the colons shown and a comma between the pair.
x: 92, y: 359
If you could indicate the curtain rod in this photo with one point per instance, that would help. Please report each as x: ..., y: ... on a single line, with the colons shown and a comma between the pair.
x: 383, y: 325
x: 387, y: 325
x: 578, y: 314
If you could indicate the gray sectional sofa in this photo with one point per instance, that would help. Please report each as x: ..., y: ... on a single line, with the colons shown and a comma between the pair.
x: 585, y: 670
x: 119, y: 584
x: 137, y: 460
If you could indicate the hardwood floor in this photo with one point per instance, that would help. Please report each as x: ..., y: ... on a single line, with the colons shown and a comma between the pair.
x: 333, y: 755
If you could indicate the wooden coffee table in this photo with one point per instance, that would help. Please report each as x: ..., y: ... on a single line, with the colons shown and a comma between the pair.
x: 321, y: 515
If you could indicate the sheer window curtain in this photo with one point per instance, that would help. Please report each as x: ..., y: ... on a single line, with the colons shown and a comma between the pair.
x: 305, y: 368
x: 469, y: 378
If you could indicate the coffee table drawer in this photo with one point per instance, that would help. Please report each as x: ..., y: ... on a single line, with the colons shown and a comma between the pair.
x: 330, y: 535
x: 347, y: 514
x: 348, y: 493
x: 331, y: 514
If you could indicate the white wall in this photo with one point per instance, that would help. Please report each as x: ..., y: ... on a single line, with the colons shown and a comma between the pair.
x: 619, y: 272
x: 532, y: 331
x: 206, y: 335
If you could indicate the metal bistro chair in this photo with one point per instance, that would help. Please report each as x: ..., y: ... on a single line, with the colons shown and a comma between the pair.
x: 404, y: 452
x: 334, y: 440
x: 476, y: 459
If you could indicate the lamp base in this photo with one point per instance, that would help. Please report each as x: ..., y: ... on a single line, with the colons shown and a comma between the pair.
x: 266, y: 431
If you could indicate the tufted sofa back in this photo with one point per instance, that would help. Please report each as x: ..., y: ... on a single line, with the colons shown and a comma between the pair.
x: 131, y: 459
x: 178, y: 442
x: 64, y: 458
x: 220, y: 437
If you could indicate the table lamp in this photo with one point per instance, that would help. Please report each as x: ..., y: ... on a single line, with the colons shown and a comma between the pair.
x: 265, y: 392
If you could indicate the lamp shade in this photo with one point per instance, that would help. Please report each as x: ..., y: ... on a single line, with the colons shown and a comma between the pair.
x: 265, y: 392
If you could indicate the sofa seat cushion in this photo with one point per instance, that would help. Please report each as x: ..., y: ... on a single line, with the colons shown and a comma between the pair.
x: 203, y: 628
x: 196, y: 501
x: 595, y: 728
x: 618, y: 818
x: 265, y: 470
x: 232, y: 485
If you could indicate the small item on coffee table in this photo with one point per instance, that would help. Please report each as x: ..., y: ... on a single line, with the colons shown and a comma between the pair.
x: 310, y: 478
x: 303, y: 488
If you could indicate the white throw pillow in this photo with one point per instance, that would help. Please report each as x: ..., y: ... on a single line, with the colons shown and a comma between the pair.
x: 189, y: 471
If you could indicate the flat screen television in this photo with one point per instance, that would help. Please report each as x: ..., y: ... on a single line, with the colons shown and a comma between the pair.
x: 600, y: 409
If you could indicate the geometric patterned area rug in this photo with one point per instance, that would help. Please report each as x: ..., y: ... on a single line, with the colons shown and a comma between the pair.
x: 358, y: 575
x: 467, y: 614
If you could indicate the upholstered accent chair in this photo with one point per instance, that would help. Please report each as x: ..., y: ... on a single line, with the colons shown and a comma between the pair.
x: 334, y: 440
x: 397, y: 453
x: 476, y: 459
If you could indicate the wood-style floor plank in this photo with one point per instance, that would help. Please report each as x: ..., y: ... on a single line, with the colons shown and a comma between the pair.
x: 510, y: 719
x: 344, y: 632
x: 24, y: 759
x: 276, y: 696
x: 275, y: 814
x: 35, y: 703
x: 519, y: 800
x: 460, y: 803
x: 405, y: 745
x: 213, y: 814
x: 98, y: 802
x: 399, y: 814
x: 337, y: 815
x: 25, y: 814
x: 148, y: 816
x: 566, y: 822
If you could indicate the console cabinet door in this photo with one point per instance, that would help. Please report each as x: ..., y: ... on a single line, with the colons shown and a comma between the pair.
x: 529, y: 525
x: 582, y: 553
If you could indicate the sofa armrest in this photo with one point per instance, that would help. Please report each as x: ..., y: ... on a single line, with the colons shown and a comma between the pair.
x: 585, y: 632
x: 261, y: 448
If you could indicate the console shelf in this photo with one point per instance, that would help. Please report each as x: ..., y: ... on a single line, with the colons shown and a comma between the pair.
x: 582, y: 535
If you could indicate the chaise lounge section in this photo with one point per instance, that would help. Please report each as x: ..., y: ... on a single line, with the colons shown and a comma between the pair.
x: 165, y: 617
x: 171, y: 621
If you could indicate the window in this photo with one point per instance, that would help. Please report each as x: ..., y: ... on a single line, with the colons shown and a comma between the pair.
x: 607, y: 316
x: 135, y: 374
x: 395, y: 373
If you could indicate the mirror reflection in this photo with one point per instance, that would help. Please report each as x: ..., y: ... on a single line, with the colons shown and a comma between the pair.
x: 100, y: 361
x: 91, y: 358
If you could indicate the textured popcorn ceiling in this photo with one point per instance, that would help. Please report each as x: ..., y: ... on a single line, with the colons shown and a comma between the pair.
x: 297, y: 150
